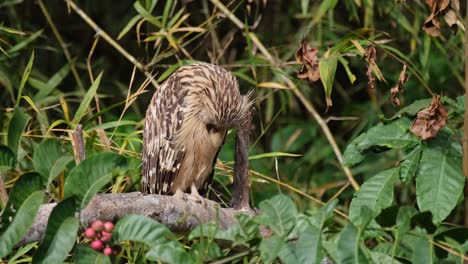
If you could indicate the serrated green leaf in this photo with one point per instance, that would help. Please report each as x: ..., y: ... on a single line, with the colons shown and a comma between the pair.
x: 50, y: 158
x: 7, y: 158
x: 376, y: 193
x: 279, y: 213
x: 270, y: 247
x: 87, y: 99
x: 352, y: 155
x: 410, y: 164
x: 413, y: 108
x: 84, y: 254
x: 26, y: 185
x: 22, y: 220
x: 393, y: 135
x: 93, y: 172
x: 60, y: 234
x: 439, y: 179
x: 327, y: 67
x: 15, y: 129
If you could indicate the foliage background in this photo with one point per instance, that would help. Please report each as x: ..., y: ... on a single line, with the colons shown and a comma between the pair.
x: 290, y: 153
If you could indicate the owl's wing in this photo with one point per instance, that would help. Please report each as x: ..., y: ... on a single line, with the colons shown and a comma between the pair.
x: 161, y: 156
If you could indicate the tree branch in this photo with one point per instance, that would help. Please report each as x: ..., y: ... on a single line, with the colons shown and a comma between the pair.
x: 177, y: 214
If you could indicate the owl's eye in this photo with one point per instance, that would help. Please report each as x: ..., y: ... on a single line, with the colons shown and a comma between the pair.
x: 212, y: 128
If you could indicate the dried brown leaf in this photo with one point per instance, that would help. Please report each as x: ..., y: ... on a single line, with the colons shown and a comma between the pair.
x: 446, y: 8
x: 398, y: 89
x: 430, y: 120
x: 310, y: 66
x: 370, y: 54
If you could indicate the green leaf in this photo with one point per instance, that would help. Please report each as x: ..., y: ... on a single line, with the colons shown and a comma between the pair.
x: 376, y: 193
x: 25, y: 77
x: 324, y: 7
x: 15, y: 130
x: 439, y: 180
x: 60, y: 234
x: 393, y: 135
x: 381, y: 258
x: 309, y: 244
x: 50, y: 158
x: 142, y: 229
x: 26, y: 185
x: 169, y: 252
x: 409, y: 166
x: 352, y: 155
x: 84, y: 254
x: 287, y: 254
x: 129, y: 26
x: 91, y: 175
x: 273, y: 154
x: 270, y: 247
x: 240, y: 234
x: 87, y: 99
x: 53, y: 82
x: 345, y: 63
x: 23, y: 219
x: 114, y: 124
x: 25, y: 42
x: 205, y: 250
x: 7, y: 158
x: 144, y: 13
x: 423, y: 252
x: 327, y: 67
x: 349, y: 249
x: 279, y: 213
x: 413, y: 108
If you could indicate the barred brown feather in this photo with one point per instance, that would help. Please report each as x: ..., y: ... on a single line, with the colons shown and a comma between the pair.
x: 185, y: 127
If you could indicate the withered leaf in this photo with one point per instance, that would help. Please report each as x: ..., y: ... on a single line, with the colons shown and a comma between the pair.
x: 430, y: 120
x: 370, y: 54
x: 310, y: 65
x: 398, y: 89
x: 446, y: 8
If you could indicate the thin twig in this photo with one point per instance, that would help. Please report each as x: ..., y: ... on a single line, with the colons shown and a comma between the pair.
x: 111, y: 41
x: 465, y: 124
x: 323, y: 125
x: 78, y: 144
x: 3, y: 192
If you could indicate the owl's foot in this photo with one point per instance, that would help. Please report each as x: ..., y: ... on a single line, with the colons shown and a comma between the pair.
x: 195, y: 197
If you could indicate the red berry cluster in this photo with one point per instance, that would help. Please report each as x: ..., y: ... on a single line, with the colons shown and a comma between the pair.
x: 100, y: 233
